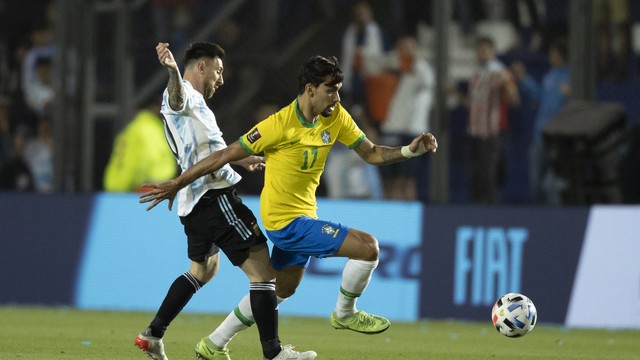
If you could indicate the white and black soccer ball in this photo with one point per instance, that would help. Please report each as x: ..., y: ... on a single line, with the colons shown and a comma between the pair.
x: 514, y: 315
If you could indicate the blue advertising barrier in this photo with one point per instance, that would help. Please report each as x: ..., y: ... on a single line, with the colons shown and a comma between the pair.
x: 473, y: 255
x: 41, y: 239
x: 132, y: 256
x: 107, y: 252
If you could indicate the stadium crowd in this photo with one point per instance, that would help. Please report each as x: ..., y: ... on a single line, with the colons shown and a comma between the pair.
x: 386, y: 52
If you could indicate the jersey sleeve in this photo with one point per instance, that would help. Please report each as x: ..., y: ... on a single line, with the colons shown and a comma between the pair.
x: 186, y: 105
x: 350, y: 134
x: 265, y: 135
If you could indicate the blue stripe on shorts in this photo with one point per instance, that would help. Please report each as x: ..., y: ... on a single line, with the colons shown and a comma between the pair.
x: 305, y: 237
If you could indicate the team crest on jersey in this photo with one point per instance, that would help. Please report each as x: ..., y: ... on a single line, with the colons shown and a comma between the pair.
x: 326, y: 137
x: 253, y: 136
x: 329, y: 230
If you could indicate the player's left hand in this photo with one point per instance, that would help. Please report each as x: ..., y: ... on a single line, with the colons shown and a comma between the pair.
x: 159, y: 192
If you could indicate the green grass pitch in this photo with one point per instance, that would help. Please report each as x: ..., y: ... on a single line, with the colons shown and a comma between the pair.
x: 60, y: 333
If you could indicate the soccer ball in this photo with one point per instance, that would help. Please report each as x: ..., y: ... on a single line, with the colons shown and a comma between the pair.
x: 514, y: 315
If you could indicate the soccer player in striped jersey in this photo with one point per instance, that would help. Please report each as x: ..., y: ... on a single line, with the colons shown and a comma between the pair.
x: 295, y: 142
x: 213, y: 216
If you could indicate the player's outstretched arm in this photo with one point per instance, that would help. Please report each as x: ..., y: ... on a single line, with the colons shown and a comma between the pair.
x: 167, y: 190
x: 175, y: 88
x: 382, y: 155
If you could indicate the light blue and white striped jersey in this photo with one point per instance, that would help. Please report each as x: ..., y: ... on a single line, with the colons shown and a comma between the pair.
x: 193, y: 133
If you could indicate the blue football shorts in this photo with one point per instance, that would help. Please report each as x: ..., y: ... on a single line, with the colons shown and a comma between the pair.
x: 305, y: 237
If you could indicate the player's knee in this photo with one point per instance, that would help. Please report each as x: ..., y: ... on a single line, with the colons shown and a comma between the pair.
x: 370, y: 249
x: 262, y: 276
x: 207, y: 275
x: 204, y: 271
x: 284, y: 292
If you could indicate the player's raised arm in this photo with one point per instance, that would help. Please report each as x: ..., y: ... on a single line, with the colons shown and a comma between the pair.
x: 175, y: 88
x: 167, y: 190
x: 382, y: 155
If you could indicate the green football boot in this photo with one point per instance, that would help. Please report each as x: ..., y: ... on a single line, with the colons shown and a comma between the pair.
x: 207, y: 350
x: 361, y: 322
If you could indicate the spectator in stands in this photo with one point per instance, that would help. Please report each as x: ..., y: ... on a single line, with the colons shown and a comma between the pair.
x: 39, y: 93
x: 516, y: 189
x: 551, y: 95
x: 36, y: 62
x: 38, y: 154
x: 492, y: 89
x: 140, y: 152
x: 15, y: 174
x: 363, y: 38
x: 42, y: 46
x: 408, y: 115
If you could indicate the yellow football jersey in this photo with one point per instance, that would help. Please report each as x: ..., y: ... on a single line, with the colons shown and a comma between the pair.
x: 295, y: 153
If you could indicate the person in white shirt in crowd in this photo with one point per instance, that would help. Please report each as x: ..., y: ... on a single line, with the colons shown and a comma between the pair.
x: 408, y: 115
x: 362, y: 39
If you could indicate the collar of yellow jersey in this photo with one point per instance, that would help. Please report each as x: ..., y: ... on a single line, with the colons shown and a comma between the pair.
x: 301, y: 118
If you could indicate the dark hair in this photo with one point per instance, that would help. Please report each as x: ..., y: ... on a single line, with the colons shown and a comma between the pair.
x: 315, y: 70
x: 485, y: 40
x: 203, y: 50
x: 43, y: 61
x: 560, y: 44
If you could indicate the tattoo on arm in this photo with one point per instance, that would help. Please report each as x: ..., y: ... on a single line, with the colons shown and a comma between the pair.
x: 390, y: 155
x: 381, y: 155
x: 176, y: 90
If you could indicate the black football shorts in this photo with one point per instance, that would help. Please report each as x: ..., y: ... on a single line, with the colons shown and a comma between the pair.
x: 221, y: 221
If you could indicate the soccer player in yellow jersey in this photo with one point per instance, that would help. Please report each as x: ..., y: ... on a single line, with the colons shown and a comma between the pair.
x: 214, y: 218
x: 295, y: 142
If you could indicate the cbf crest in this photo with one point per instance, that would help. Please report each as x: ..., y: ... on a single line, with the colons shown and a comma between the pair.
x: 329, y: 230
x: 326, y: 137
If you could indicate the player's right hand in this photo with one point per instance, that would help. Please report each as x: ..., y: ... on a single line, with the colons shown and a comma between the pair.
x: 165, y: 56
x: 159, y: 192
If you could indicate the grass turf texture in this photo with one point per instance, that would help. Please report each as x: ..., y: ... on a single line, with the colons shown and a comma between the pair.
x: 55, y: 333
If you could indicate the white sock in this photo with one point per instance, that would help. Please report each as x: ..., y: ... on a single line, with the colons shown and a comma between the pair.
x: 239, y: 319
x: 355, y: 278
